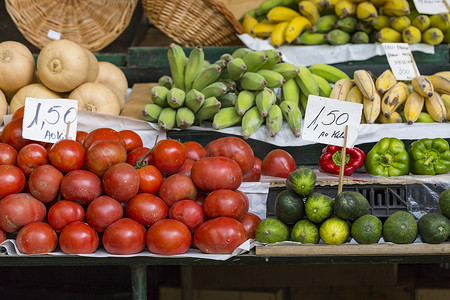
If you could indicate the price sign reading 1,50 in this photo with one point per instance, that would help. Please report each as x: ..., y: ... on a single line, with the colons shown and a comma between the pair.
x: 325, y: 121
x: 50, y: 120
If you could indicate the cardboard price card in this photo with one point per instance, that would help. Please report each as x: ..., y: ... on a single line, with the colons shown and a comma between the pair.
x: 50, y: 120
x: 401, y: 61
x: 431, y: 7
x: 325, y: 121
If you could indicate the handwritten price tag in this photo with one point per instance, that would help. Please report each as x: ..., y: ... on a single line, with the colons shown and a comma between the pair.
x: 50, y: 120
x: 325, y: 121
x: 400, y: 60
x: 431, y: 7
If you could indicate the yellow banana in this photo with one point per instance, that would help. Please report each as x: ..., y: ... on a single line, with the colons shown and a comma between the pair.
x: 446, y: 99
x: 277, y: 37
x: 423, y: 86
x: 379, y: 22
x: 412, y: 35
x: 263, y: 29
x: 396, y: 8
x: 441, y: 83
x: 281, y: 14
x: 372, y: 108
x: 309, y: 11
x: 443, y: 73
x: 432, y: 36
x: 354, y: 95
x: 385, y: 81
x: 366, y: 11
x: 436, y: 108
x: 441, y: 21
x: 378, y: 3
x: 364, y: 81
x: 399, y: 23
x: 345, y: 8
x: 341, y: 89
x: 393, y: 98
x: 422, y: 22
x: 295, y: 27
x: 388, y: 35
x: 413, y: 107
x: 248, y: 23
x: 395, y: 117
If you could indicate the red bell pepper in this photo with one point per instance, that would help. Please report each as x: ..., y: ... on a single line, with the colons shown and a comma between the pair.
x: 330, y: 160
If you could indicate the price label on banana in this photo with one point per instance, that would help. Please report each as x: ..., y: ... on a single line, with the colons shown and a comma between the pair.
x: 325, y: 121
x: 431, y: 7
x: 50, y: 120
x: 401, y: 61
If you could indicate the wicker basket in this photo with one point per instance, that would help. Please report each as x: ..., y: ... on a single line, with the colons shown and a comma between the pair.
x: 93, y: 24
x: 194, y: 22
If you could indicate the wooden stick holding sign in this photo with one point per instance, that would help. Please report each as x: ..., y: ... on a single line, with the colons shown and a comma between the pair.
x: 67, y: 130
x: 414, y: 65
x: 342, y: 166
x: 447, y: 5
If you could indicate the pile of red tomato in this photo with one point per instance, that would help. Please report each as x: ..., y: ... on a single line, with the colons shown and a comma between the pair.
x: 107, y: 190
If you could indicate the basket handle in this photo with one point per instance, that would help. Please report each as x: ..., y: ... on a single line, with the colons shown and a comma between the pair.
x: 228, y: 15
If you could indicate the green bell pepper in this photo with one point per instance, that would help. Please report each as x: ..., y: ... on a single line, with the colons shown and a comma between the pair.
x: 429, y: 156
x: 388, y: 158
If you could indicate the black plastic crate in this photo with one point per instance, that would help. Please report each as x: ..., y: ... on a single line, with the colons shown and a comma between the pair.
x: 384, y: 199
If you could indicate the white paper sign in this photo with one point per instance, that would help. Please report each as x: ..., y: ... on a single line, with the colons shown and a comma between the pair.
x: 430, y: 7
x: 47, y: 120
x: 325, y: 121
x: 400, y: 60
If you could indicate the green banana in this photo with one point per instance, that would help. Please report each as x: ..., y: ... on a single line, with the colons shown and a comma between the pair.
x: 241, y: 52
x: 207, y: 76
x: 290, y: 91
x: 287, y: 70
x: 159, y: 95
x: 226, y: 57
x: 245, y: 100
x: 208, y: 109
x: 236, y: 67
x: 274, y: 57
x: 274, y: 120
x: 222, y: 63
x: 194, y: 100
x: 165, y: 81
x: 306, y: 82
x: 193, y: 66
x: 231, y: 84
x: 364, y: 27
x: 252, y: 81
x: 324, y: 87
x: 176, y: 97
x: 337, y: 37
x: 184, y: 117
x: 310, y: 38
x: 251, y: 121
x: 255, y: 60
x: 177, y: 63
x: 292, y: 115
x: 347, y: 24
x: 151, y: 112
x: 226, y: 117
x: 324, y: 24
x: 274, y: 79
x: 215, y: 89
x: 360, y: 37
x: 267, y: 5
x: 330, y: 73
x: 425, y: 117
x: 228, y: 100
x: 303, y: 103
x: 264, y: 100
x: 166, y: 119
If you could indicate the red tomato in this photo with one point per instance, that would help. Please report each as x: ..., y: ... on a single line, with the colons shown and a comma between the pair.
x: 12, y: 134
x: 177, y: 187
x: 8, y: 155
x: 12, y: 180
x: 44, y: 183
x: 224, y: 203
x: 150, y: 179
x: 189, y: 212
x: 124, y: 236
x: 186, y: 167
x: 219, y: 236
x: 234, y: 148
x: 81, y: 135
x: 78, y: 238
x: 168, y: 237
x: 132, y: 140
x: 147, y: 209
x: 278, y: 163
x: 81, y: 186
x: 36, y: 238
x: 103, y: 134
x: 102, y: 212
x: 140, y: 157
x: 17, y: 210
x: 67, y: 155
x: 18, y: 113
x: 194, y: 150
x: 255, y: 174
x: 103, y: 154
x: 64, y: 212
x: 2, y: 235
x: 168, y: 156
x: 245, y: 198
x: 250, y: 221
x: 201, y: 196
x: 31, y: 156
x: 212, y: 173
x: 121, y: 181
